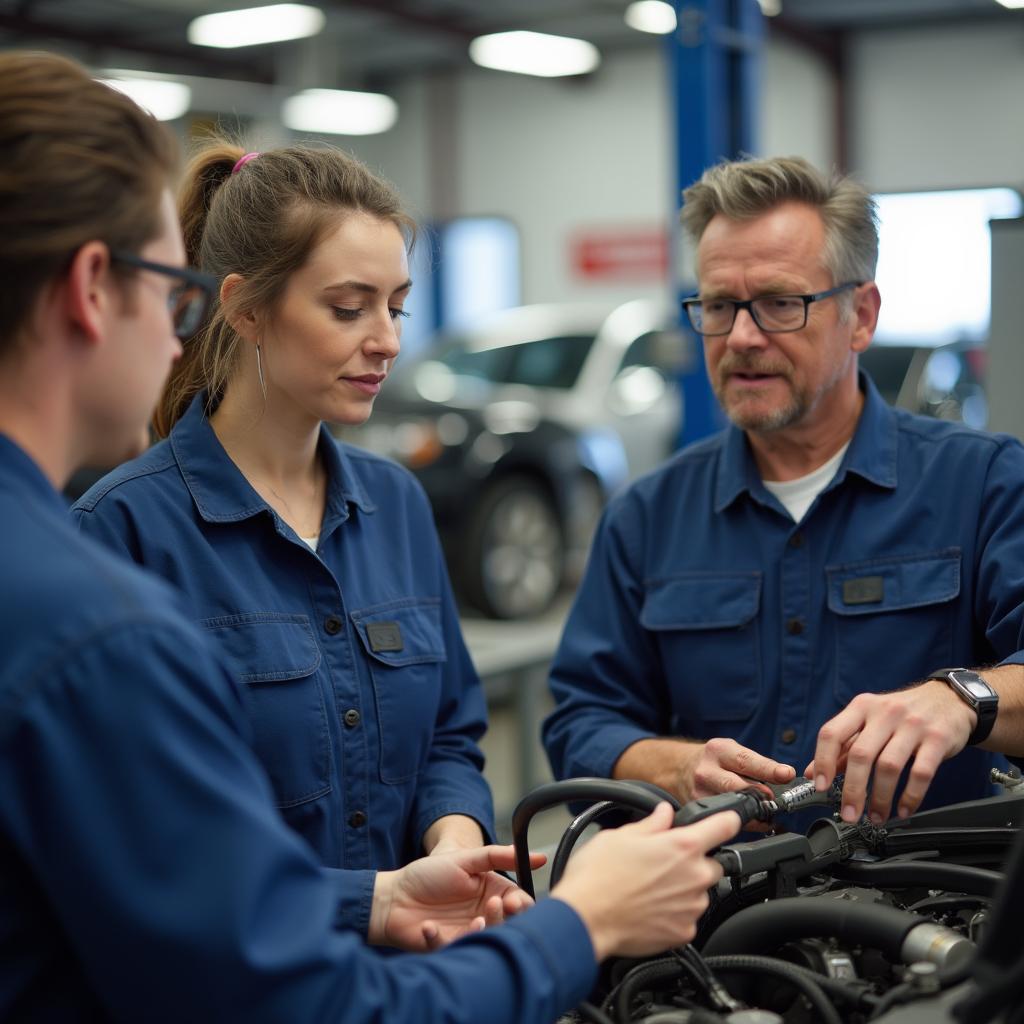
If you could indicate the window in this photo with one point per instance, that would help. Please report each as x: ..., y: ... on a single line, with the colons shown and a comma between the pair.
x: 934, y: 263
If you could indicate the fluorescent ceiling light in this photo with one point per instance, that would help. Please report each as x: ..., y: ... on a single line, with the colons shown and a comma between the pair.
x: 534, y: 53
x: 1012, y: 4
x: 651, y: 16
x: 339, y: 112
x: 255, y: 25
x: 164, y: 99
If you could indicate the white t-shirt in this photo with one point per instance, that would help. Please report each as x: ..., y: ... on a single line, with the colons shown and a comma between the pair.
x: 797, y: 495
x: 311, y: 541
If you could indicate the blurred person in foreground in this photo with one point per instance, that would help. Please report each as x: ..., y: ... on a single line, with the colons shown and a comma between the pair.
x: 147, y: 874
x: 820, y: 553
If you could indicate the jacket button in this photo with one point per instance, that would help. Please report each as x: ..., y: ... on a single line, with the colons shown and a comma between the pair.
x: 788, y: 735
x: 797, y: 540
x: 357, y: 819
x: 352, y: 717
x: 795, y: 627
x: 333, y: 625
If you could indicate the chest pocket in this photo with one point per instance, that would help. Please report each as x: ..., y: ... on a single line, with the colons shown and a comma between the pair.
x: 404, y: 646
x: 275, y: 658
x: 705, y: 626
x: 895, y: 613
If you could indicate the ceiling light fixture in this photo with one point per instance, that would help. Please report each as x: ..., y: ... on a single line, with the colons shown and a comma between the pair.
x: 1012, y: 4
x: 654, y: 16
x: 164, y: 99
x: 255, y: 25
x: 339, y: 112
x: 534, y: 53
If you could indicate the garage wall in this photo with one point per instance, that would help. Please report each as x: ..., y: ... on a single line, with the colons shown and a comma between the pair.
x: 938, y: 107
x: 928, y: 108
x: 564, y: 157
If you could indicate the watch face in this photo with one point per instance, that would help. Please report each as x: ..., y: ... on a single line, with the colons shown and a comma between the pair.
x: 976, y: 687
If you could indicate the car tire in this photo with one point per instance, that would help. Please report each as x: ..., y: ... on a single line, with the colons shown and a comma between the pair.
x: 513, y: 561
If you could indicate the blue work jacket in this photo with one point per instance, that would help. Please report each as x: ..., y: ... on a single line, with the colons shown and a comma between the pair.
x: 364, y: 704
x: 706, y: 611
x: 145, y: 874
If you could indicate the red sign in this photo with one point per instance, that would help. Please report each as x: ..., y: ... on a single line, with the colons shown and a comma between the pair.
x: 628, y: 254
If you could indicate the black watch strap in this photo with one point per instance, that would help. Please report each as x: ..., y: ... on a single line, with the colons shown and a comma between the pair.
x: 975, y: 692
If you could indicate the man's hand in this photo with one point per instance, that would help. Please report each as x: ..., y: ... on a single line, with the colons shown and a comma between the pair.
x: 881, y: 733
x: 689, y: 769
x: 436, y: 899
x: 723, y: 766
x: 641, y: 888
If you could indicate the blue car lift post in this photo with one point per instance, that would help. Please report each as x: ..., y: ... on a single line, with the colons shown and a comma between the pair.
x: 715, y: 71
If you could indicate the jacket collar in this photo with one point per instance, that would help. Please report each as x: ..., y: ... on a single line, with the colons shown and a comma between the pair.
x: 222, y: 494
x: 871, y: 455
x: 21, y: 472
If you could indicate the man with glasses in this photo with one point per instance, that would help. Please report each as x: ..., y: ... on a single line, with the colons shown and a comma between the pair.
x: 823, y: 550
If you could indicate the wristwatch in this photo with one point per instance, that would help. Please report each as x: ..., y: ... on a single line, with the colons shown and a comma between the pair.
x: 972, y: 689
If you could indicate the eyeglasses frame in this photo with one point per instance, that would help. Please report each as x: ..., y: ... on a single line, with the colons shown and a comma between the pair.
x: 206, y: 282
x: 748, y: 305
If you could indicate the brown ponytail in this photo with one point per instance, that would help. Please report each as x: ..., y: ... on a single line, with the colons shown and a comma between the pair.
x: 261, y: 223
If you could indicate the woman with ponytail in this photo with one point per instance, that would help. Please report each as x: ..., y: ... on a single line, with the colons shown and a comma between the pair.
x: 313, y: 565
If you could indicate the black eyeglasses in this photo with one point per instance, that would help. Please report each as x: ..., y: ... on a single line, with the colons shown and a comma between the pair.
x: 773, y: 314
x: 189, y: 299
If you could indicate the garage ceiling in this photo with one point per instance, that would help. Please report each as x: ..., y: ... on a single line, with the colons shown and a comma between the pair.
x: 374, y: 41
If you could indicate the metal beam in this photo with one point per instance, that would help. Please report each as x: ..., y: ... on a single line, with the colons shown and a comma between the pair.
x: 107, y: 37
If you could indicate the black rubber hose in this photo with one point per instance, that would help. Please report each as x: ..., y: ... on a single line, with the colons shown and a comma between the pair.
x: 927, y: 874
x: 639, y: 796
x: 948, y: 904
x: 766, y: 926
x: 572, y: 834
x: 643, y: 975
x: 591, y: 1013
x: 825, y: 1012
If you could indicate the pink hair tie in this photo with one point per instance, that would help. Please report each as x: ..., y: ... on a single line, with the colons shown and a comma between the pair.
x: 242, y: 161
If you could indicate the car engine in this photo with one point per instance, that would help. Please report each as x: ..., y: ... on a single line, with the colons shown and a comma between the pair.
x: 909, y: 922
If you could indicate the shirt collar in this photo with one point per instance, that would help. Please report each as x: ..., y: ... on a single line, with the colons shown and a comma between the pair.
x: 871, y: 455
x: 20, y: 471
x: 222, y: 494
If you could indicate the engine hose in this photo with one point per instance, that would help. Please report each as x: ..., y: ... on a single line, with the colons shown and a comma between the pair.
x: 591, y: 1013
x: 657, y: 970
x: 639, y: 796
x: 900, y: 935
x: 825, y: 1012
x: 571, y: 835
x: 927, y: 874
x: 948, y: 904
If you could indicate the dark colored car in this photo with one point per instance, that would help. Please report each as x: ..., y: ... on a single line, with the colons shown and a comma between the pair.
x: 944, y: 381
x: 521, y: 429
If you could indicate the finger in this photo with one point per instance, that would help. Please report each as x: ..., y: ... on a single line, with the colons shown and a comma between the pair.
x: 431, y: 935
x: 480, y: 859
x: 926, y: 764
x: 860, y: 762
x: 515, y: 901
x: 888, y: 766
x: 713, y: 831
x: 659, y: 820
x: 756, y: 767
x: 494, y: 911
x: 831, y: 738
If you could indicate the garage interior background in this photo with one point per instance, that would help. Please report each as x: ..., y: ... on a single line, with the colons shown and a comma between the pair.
x: 907, y: 94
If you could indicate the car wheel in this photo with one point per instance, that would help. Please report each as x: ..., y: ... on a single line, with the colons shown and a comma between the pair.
x: 514, y: 559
